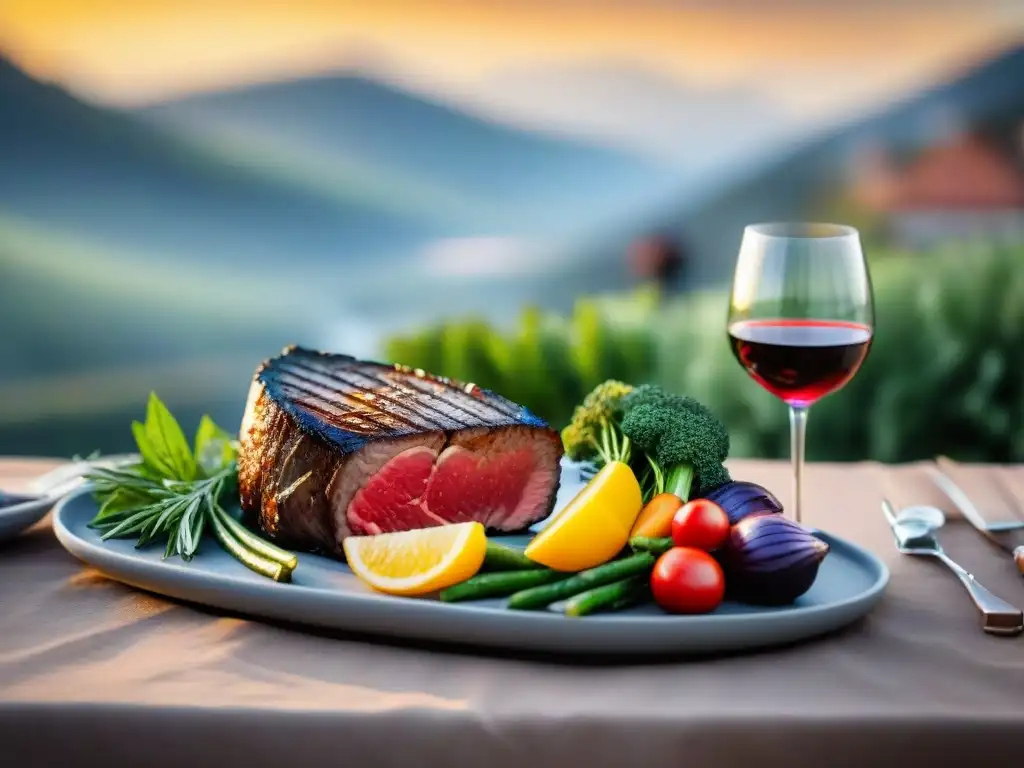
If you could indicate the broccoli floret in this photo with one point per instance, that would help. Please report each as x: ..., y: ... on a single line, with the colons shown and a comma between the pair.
x: 710, y: 477
x: 650, y: 394
x: 684, y: 441
x: 593, y: 434
x: 647, y: 394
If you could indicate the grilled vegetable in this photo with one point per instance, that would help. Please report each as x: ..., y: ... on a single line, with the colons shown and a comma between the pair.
x: 771, y: 560
x: 540, y: 597
x: 741, y: 499
x: 499, y: 584
x: 610, y: 597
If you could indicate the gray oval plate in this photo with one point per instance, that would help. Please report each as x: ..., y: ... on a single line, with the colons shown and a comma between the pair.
x: 325, y: 593
x: 15, y: 518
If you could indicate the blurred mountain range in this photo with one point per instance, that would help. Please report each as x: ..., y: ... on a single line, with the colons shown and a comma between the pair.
x: 395, y: 146
x: 111, y: 178
x: 625, y: 104
x: 337, y: 167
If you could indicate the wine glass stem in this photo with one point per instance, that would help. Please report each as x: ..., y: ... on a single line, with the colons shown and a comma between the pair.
x: 797, y: 432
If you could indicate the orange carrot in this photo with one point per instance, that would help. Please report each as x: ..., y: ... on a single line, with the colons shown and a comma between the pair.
x: 655, y: 520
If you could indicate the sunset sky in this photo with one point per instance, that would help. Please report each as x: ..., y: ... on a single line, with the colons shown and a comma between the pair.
x: 522, y: 57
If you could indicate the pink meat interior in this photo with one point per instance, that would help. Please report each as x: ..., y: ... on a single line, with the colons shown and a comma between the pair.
x: 502, y: 481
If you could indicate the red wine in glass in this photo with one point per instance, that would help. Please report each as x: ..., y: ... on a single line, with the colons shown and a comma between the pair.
x: 801, y: 317
x: 800, y: 360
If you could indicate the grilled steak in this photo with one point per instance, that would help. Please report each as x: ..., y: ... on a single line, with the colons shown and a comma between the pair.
x: 333, y: 446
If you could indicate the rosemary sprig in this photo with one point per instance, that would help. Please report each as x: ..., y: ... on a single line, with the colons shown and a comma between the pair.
x: 176, y: 493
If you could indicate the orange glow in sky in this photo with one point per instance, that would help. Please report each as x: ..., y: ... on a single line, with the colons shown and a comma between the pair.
x: 130, y: 51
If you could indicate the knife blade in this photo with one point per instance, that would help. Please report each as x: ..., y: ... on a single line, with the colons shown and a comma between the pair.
x: 1000, y: 485
x: 975, y: 518
x: 963, y: 503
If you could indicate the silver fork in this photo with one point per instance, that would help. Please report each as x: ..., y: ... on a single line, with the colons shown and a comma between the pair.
x: 67, y: 477
x: 916, y: 538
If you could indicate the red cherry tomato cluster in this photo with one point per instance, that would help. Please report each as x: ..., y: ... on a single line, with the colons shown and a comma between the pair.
x: 687, y: 579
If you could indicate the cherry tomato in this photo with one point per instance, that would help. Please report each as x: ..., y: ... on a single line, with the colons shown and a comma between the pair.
x: 687, y: 580
x: 701, y: 524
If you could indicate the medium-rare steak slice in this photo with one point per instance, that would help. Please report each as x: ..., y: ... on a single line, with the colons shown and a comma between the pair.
x: 332, y: 446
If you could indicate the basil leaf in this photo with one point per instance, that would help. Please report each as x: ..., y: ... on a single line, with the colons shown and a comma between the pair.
x: 215, y: 448
x: 119, y: 503
x: 167, y: 442
x: 152, y: 459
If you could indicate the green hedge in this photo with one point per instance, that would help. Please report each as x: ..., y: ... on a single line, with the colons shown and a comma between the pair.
x: 546, y: 362
x: 942, y: 375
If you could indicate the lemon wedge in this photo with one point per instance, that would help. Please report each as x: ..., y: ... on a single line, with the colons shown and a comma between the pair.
x: 593, y: 527
x: 420, y: 561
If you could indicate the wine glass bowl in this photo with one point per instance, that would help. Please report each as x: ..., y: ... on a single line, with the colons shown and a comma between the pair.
x: 801, y: 316
x: 800, y: 360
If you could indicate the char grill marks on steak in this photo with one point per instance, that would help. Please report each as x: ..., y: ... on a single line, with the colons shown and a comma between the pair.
x: 332, y: 446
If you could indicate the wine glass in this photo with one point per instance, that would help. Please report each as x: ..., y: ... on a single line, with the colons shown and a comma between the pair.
x: 801, y: 317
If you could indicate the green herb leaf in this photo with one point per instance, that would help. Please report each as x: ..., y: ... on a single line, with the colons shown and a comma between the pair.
x: 161, y: 520
x: 129, y: 526
x: 168, y: 515
x: 152, y: 459
x: 172, y: 547
x: 118, y: 504
x: 189, y: 544
x: 214, y: 448
x: 166, y: 442
x: 198, y: 525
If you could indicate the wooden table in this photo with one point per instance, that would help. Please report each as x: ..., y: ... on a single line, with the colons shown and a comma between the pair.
x: 93, y: 672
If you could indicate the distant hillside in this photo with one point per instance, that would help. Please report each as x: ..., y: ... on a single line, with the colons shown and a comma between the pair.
x: 363, y: 127
x: 87, y: 334
x: 113, y: 177
x: 791, y: 186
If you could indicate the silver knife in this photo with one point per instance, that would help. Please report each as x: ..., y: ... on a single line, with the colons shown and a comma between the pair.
x: 973, y: 516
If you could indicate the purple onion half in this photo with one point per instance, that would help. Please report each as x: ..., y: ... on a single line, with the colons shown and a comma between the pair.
x: 741, y: 499
x: 770, y: 560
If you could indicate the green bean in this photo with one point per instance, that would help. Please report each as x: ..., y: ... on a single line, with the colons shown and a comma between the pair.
x: 610, y: 597
x: 542, y: 596
x: 499, y: 584
x: 500, y: 557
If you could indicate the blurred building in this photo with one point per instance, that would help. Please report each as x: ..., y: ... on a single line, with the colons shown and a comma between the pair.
x: 968, y: 187
x: 657, y: 259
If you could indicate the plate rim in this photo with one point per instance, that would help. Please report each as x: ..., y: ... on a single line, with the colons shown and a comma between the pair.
x: 17, y: 518
x: 104, y: 558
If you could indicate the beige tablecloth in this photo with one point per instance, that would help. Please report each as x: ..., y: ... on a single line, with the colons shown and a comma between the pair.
x: 92, y: 672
